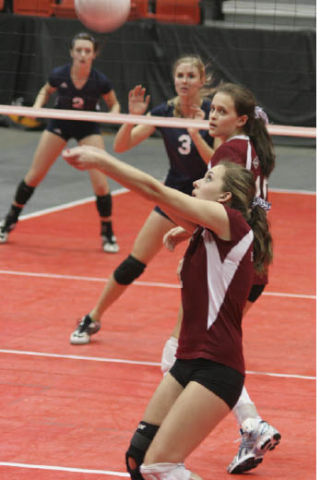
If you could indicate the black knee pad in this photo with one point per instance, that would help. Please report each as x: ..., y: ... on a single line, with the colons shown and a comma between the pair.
x: 23, y: 193
x: 140, y: 442
x: 128, y: 270
x: 104, y: 205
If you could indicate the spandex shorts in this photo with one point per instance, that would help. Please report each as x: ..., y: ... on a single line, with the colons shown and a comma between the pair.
x: 224, y: 381
x: 77, y: 129
x: 255, y: 292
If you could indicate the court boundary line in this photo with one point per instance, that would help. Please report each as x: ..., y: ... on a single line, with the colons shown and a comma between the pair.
x: 120, y: 191
x: 63, y: 469
x: 139, y: 363
x: 138, y: 283
x: 66, y: 206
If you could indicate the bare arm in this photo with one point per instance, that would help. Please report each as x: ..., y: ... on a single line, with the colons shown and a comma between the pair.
x: 207, y: 213
x: 128, y: 136
x: 43, y: 95
x: 112, y: 102
x: 205, y: 151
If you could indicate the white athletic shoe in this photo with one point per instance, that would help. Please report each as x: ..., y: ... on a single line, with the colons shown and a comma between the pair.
x: 4, y: 234
x: 83, y: 332
x: 257, y: 438
x: 109, y: 244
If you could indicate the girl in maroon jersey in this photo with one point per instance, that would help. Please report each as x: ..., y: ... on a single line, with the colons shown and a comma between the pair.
x: 229, y: 232
x: 240, y: 127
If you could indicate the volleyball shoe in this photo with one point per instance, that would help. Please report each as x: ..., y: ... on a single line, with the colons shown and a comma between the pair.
x: 5, y: 230
x: 84, y: 330
x: 109, y: 244
x: 257, y: 438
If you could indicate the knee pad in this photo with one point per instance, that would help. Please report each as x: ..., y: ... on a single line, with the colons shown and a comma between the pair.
x: 140, y: 442
x: 165, y: 471
x: 23, y: 193
x: 104, y: 205
x: 128, y: 270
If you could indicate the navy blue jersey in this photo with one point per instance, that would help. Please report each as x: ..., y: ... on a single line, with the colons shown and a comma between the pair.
x: 86, y: 98
x: 186, y: 164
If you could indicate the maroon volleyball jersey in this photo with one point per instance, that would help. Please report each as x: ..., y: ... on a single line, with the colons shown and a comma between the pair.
x: 216, y: 278
x: 240, y: 149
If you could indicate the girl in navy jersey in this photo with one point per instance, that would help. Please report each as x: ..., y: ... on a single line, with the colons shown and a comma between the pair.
x: 78, y: 86
x: 189, y: 153
x: 240, y: 127
x: 230, y: 238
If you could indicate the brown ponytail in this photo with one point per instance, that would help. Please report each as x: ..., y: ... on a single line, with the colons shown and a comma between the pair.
x: 240, y: 182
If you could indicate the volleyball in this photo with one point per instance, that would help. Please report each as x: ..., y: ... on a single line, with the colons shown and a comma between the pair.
x: 102, y: 15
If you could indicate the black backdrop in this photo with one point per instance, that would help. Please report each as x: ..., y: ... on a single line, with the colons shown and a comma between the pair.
x: 279, y: 66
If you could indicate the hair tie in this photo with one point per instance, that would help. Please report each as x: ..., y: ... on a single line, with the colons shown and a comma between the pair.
x: 260, y: 113
x: 260, y: 202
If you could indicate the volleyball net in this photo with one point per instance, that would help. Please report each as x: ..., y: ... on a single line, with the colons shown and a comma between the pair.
x: 121, y: 118
x: 265, y: 49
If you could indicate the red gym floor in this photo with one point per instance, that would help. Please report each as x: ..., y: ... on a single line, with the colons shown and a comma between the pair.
x: 68, y: 412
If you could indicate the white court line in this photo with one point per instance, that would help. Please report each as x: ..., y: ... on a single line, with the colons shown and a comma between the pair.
x: 137, y: 283
x: 66, y: 206
x: 64, y: 469
x: 137, y: 362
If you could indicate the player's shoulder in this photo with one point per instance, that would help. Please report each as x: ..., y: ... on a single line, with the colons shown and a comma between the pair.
x: 101, y: 80
x: 237, y: 143
x: 98, y: 74
x: 61, y: 70
x: 238, y: 225
x: 164, y: 109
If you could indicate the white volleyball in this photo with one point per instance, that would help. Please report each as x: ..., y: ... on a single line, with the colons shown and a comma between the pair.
x: 102, y: 15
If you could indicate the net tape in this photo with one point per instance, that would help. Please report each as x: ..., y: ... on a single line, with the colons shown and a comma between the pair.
x: 102, y: 117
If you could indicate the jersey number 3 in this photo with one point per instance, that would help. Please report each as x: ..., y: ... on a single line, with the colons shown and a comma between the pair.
x: 185, y: 144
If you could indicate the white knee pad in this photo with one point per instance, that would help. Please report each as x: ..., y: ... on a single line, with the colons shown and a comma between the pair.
x: 165, y: 471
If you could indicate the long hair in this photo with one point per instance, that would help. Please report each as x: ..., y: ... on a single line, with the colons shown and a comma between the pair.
x: 205, y: 91
x: 240, y: 182
x: 255, y: 127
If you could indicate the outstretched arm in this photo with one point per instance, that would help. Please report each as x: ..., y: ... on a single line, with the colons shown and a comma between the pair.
x: 206, y: 213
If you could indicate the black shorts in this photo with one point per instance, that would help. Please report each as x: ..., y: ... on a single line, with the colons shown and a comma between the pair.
x: 224, y: 381
x: 77, y: 129
x: 255, y: 292
x: 162, y: 213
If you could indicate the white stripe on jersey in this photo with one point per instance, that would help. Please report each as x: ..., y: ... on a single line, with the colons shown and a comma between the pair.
x: 220, y: 277
x: 249, y: 156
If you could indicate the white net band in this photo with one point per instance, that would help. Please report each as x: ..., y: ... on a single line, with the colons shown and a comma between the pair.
x: 102, y: 117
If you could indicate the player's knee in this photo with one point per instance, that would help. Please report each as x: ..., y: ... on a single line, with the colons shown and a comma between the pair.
x: 137, y: 449
x: 128, y: 270
x: 162, y: 471
x: 23, y: 193
x: 104, y: 205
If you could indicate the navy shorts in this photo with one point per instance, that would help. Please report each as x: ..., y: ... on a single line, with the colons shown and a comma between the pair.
x: 77, y: 129
x: 185, y: 187
x: 224, y: 381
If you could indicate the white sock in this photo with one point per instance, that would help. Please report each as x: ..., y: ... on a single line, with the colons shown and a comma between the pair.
x: 245, y: 408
